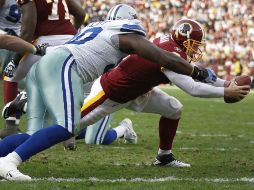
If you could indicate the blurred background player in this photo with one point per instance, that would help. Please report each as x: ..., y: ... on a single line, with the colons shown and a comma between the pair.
x: 10, y: 23
x: 44, y: 21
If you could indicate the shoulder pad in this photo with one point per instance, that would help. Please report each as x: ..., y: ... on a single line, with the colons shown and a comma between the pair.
x: 133, y: 26
x: 126, y: 26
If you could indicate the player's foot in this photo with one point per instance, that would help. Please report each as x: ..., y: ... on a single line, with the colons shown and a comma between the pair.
x: 15, y: 106
x: 169, y: 160
x: 10, y: 128
x: 70, y: 144
x: 129, y: 135
x: 9, y: 171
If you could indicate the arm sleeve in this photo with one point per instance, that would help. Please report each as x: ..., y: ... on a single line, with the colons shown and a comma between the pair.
x: 219, y: 82
x: 192, y: 87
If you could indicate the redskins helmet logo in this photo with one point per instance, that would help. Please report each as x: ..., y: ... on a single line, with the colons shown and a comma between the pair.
x: 185, y: 29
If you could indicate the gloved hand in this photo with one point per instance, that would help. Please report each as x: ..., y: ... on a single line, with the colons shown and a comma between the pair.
x: 205, y: 75
x: 41, y: 49
x: 10, y: 69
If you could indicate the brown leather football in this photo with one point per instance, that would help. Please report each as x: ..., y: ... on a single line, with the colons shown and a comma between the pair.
x: 239, y: 81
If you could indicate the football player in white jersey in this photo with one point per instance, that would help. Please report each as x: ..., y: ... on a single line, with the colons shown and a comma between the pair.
x: 10, y: 16
x: 58, y: 87
x: 94, y: 134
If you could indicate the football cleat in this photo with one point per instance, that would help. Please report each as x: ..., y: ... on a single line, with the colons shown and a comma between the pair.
x: 169, y: 160
x: 15, y: 106
x: 129, y: 135
x: 9, y: 171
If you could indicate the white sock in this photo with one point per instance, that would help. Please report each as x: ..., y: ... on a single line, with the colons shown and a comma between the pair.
x: 120, y: 130
x: 15, y: 158
x: 163, y: 152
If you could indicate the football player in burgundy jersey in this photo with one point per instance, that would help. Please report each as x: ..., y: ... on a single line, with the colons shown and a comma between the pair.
x: 44, y: 21
x: 131, y: 85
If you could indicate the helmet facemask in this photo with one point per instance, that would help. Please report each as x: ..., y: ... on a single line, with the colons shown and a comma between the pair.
x: 194, y: 49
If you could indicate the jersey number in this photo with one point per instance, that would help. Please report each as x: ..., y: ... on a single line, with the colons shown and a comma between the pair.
x: 85, y: 36
x: 54, y: 12
x: 14, y: 14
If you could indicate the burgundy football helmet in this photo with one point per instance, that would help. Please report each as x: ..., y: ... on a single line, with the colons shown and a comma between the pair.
x: 190, y: 36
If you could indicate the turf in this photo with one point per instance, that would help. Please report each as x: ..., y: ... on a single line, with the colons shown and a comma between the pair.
x: 216, y: 138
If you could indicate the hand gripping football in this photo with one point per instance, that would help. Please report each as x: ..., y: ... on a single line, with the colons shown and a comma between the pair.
x: 239, y: 81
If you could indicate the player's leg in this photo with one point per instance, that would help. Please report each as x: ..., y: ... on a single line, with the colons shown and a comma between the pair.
x: 11, y: 90
x: 95, y: 107
x: 157, y: 101
x: 61, y: 78
x: 11, y: 124
x: 95, y: 133
x: 123, y: 130
x: 35, y: 116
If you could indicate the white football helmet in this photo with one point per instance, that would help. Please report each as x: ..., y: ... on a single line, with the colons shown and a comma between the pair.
x: 121, y: 11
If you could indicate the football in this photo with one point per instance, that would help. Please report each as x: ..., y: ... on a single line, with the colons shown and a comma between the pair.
x: 239, y: 81
x: 242, y: 80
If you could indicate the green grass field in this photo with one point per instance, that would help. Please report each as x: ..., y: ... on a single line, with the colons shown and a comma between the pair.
x: 216, y: 138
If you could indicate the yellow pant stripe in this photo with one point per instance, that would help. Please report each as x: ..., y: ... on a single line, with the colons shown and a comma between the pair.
x: 92, y: 100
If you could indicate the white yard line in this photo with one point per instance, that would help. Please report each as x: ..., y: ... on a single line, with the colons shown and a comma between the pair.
x: 145, y: 180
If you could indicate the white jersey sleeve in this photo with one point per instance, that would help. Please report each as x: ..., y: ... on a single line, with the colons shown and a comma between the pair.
x: 192, y: 87
x: 94, y: 49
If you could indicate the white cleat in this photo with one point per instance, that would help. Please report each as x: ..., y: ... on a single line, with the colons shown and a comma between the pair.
x: 169, y: 160
x: 9, y: 171
x: 129, y: 135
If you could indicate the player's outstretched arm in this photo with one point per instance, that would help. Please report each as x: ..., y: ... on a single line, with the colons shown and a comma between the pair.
x: 136, y: 44
x: 16, y: 44
x: 75, y: 8
x: 202, y: 90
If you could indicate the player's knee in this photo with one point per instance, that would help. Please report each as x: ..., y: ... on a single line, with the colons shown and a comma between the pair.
x: 177, y: 109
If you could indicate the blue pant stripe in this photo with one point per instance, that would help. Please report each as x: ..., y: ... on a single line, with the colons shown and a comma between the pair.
x: 67, y: 91
x: 102, y: 126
